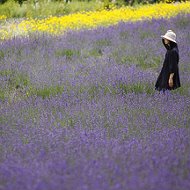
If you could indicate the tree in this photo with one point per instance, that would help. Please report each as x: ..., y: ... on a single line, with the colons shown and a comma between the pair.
x: 2, y: 1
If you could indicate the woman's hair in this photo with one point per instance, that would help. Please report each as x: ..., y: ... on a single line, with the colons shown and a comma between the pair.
x: 172, y: 44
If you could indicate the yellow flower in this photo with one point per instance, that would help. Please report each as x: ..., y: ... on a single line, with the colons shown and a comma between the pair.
x: 2, y: 17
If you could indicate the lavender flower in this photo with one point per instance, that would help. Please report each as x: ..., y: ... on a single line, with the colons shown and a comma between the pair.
x: 79, y: 111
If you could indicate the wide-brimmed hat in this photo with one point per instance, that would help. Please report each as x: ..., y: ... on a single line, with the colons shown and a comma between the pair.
x: 170, y: 35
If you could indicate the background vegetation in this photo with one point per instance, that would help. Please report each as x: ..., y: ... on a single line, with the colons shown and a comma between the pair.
x: 43, y: 8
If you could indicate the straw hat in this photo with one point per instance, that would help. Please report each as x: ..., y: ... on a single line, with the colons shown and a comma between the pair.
x: 170, y: 35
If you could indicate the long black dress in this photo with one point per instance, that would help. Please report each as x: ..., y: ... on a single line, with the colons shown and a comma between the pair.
x: 170, y: 65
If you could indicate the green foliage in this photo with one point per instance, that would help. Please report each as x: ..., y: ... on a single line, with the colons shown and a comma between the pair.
x: 15, y: 79
x: 40, y: 9
x: 79, y: 6
x: 68, y: 53
x: 2, y: 94
x: 46, y: 92
x: 44, y: 9
x: 2, y: 55
x: 96, y: 52
x: 9, y: 8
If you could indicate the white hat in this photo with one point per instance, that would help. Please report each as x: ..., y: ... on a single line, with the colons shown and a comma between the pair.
x: 170, y: 35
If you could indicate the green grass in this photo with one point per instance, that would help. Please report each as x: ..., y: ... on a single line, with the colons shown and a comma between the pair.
x: 45, y: 92
x: 136, y: 88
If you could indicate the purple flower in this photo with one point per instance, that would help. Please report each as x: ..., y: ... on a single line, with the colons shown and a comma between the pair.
x: 79, y: 111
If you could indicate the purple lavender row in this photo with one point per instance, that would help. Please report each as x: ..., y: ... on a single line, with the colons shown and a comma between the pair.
x: 128, y: 52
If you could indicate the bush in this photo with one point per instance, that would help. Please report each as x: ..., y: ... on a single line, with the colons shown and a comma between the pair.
x: 9, y: 9
x: 22, y: 8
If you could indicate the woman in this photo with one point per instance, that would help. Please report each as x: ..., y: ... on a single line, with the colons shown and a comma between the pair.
x: 169, y: 76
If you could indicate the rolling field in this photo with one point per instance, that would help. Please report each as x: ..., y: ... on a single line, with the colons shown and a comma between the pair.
x: 79, y: 111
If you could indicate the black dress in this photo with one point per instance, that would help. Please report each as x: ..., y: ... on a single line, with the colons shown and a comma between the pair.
x: 170, y: 65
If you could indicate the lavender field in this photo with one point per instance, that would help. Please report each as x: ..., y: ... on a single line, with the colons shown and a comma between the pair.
x: 80, y: 112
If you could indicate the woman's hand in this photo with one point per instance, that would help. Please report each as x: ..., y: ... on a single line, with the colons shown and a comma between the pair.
x: 171, y: 82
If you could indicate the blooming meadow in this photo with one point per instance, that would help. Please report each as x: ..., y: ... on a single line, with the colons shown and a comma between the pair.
x: 90, y: 20
x: 79, y: 110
